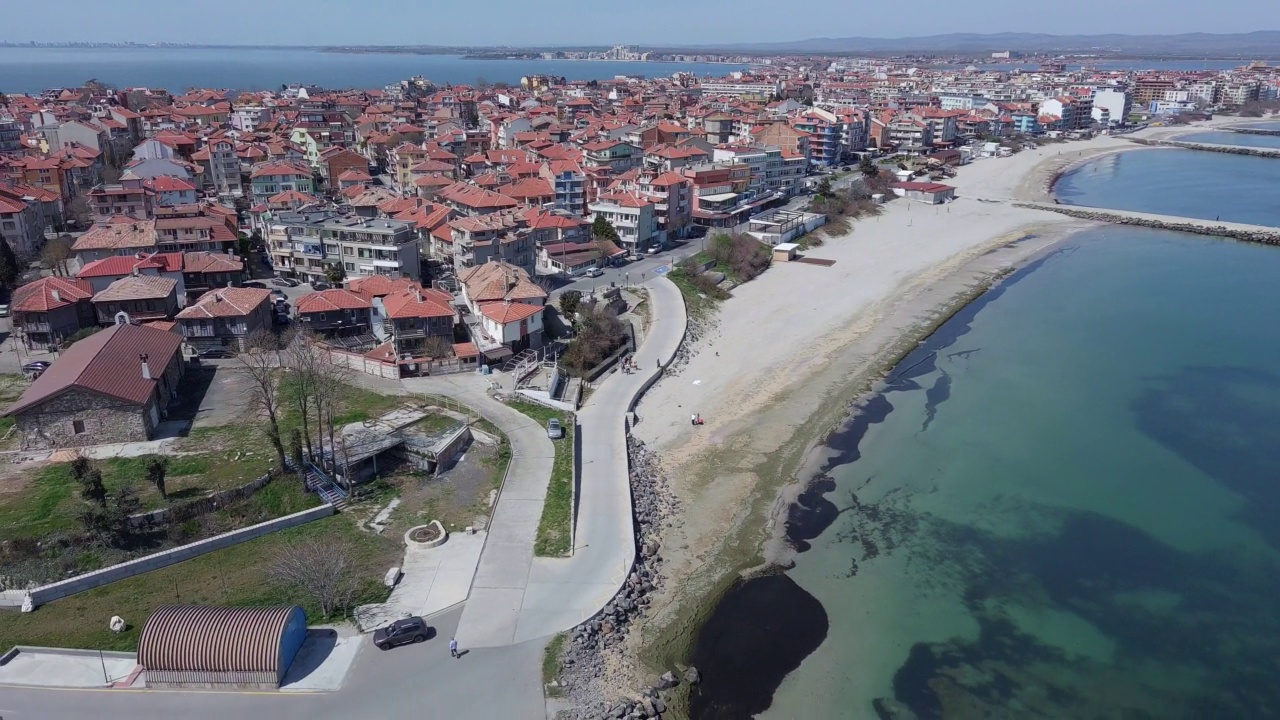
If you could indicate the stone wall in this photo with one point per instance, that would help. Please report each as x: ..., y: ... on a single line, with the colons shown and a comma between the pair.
x: 51, y: 424
x: 80, y: 583
x: 1208, y: 147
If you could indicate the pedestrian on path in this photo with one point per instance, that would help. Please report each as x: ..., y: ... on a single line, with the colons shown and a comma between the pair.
x: 453, y: 647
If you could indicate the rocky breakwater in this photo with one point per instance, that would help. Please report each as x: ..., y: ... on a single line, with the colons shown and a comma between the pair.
x: 593, y: 666
x: 1252, y: 131
x: 1210, y: 147
x: 1237, y: 231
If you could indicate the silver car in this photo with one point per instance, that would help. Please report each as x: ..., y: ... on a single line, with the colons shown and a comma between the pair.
x: 554, y: 430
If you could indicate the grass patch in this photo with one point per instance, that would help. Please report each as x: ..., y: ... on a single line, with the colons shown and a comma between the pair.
x: 552, y: 664
x: 698, y: 301
x: 555, y: 528
x: 51, y: 502
x: 435, y: 424
x: 488, y: 427
x: 236, y: 576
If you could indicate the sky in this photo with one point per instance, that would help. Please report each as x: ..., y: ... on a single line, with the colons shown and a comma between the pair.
x: 601, y: 22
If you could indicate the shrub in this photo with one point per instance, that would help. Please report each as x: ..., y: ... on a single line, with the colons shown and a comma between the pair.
x: 79, y: 335
x: 742, y: 256
x: 600, y: 333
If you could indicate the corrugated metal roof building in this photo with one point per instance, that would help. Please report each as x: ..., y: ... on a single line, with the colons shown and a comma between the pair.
x: 220, y: 647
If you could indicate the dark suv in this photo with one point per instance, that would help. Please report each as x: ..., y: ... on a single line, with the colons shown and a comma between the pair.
x: 401, y: 632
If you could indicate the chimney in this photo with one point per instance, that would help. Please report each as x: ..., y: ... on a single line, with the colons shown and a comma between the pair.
x: 57, y: 297
x: 146, y: 369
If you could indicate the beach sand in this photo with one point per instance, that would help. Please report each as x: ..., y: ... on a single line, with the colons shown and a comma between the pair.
x: 775, y: 367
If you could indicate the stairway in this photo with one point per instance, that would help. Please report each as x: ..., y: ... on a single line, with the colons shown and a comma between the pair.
x: 329, y: 491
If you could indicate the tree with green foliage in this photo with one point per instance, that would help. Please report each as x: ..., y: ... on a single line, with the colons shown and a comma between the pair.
x: 602, y: 229
x: 157, y: 467
x: 867, y: 166
x: 824, y: 187
x: 334, y: 274
x: 569, y: 302
x: 10, y: 270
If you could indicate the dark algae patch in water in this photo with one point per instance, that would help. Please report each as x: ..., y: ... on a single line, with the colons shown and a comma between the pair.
x: 761, y: 630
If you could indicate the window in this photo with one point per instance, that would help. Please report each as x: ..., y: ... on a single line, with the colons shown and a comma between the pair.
x: 323, y: 317
x: 77, y: 427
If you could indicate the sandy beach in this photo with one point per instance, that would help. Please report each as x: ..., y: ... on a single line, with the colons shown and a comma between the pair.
x: 776, y: 366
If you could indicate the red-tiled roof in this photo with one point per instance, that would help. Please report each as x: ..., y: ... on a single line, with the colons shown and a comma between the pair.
x: 331, y: 300
x: 508, y: 312
x: 50, y: 293
x: 106, y: 363
x: 225, y: 302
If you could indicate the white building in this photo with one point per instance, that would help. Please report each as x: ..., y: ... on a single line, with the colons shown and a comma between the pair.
x: 1115, y: 105
x: 632, y: 217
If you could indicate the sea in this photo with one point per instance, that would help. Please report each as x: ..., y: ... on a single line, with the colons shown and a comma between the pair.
x: 1063, y: 504
x: 32, y: 69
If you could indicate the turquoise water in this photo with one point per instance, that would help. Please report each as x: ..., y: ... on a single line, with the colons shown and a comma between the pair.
x: 1233, y: 138
x: 30, y: 70
x: 1190, y: 183
x: 1064, y: 505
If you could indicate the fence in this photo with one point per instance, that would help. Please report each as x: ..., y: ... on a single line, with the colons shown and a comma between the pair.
x: 54, y: 591
x: 361, y: 363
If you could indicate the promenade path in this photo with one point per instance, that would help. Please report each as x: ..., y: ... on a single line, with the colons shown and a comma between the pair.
x: 516, y: 597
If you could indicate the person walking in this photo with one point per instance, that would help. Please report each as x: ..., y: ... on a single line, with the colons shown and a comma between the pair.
x: 453, y: 647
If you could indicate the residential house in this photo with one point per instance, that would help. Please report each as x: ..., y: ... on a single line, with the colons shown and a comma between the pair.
x: 226, y: 317
x: 471, y: 199
x: 136, y: 299
x: 125, y: 237
x: 335, y: 312
x: 203, y: 271
x: 304, y: 245
x: 414, y: 315
x: 633, y: 217
x: 51, y: 309
x: 276, y: 177
x: 221, y: 167
x: 504, y: 309
x: 21, y: 223
x: 113, y: 386
x: 129, y: 198
x: 101, y: 273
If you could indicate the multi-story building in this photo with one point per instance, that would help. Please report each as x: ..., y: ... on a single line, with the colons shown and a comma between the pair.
x: 276, y: 177
x: 569, y: 183
x: 720, y: 193
x: 633, y: 217
x: 127, y: 198
x: 1115, y: 103
x: 305, y: 245
x: 752, y: 89
x: 221, y: 167
x: 10, y: 135
x: 616, y: 155
x: 823, y: 129
x: 21, y: 223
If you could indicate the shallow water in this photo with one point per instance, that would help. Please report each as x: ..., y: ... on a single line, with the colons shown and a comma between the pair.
x: 1062, y: 506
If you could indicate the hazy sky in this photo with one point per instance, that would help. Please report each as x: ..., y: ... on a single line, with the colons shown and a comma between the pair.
x: 601, y: 22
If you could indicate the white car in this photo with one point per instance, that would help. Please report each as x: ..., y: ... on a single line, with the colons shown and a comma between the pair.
x: 594, y: 272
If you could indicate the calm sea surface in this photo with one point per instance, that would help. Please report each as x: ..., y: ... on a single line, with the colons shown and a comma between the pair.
x: 1209, y: 185
x: 1063, y: 506
x: 30, y: 70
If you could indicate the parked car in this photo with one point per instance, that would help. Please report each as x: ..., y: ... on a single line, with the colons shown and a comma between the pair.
x: 36, y: 366
x: 401, y: 632
x: 256, y: 284
x: 282, y: 282
x: 554, y: 430
x: 4, y: 311
x: 277, y: 294
x: 319, y: 285
x: 594, y: 272
x: 215, y: 353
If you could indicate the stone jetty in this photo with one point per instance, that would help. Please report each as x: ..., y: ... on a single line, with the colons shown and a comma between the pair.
x: 1253, y: 131
x: 1211, y: 147
x: 1264, y: 234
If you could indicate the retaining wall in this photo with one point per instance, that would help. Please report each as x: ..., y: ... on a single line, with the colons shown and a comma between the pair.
x: 199, y: 506
x: 97, y: 578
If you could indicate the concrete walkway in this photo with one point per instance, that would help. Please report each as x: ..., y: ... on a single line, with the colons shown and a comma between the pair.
x: 435, y: 579
x: 564, y: 592
x: 498, y: 590
x: 517, y: 597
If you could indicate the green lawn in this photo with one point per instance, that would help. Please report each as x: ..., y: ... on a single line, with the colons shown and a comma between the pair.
x: 555, y: 528
x: 51, y: 501
x: 235, y: 576
x: 552, y: 665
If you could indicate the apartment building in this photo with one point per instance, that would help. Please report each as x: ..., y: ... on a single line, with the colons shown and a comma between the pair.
x: 747, y: 89
x: 221, y: 167
x: 305, y: 245
x: 634, y: 217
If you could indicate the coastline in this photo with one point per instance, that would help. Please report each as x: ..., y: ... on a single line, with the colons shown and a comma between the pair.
x: 766, y: 426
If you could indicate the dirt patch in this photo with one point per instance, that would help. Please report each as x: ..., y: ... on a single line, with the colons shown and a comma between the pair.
x: 458, y: 497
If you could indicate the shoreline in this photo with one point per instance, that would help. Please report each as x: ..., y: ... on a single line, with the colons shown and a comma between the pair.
x: 748, y: 469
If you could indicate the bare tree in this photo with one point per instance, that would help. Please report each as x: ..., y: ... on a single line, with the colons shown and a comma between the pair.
x: 303, y: 359
x: 56, y: 253
x: 327, y: 388
x: 437, y: 347
x: 259, y: 365
x: 325, y: 572
x: 157, y: 467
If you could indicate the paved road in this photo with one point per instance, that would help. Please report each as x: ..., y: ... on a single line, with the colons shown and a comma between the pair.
x: 636, y: 272
x: 415, y: 681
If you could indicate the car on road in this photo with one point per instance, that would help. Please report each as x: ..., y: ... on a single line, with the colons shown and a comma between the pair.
x: 285, y: 282
x: 277, y: 294
x: 215, y: 353
x: 554, y: 430
x: 654, y: 250
x: 256, y: 284
x: 401, y: 632
x: 594, y: 272
x: 36, y: 366
x: 319, y: 285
